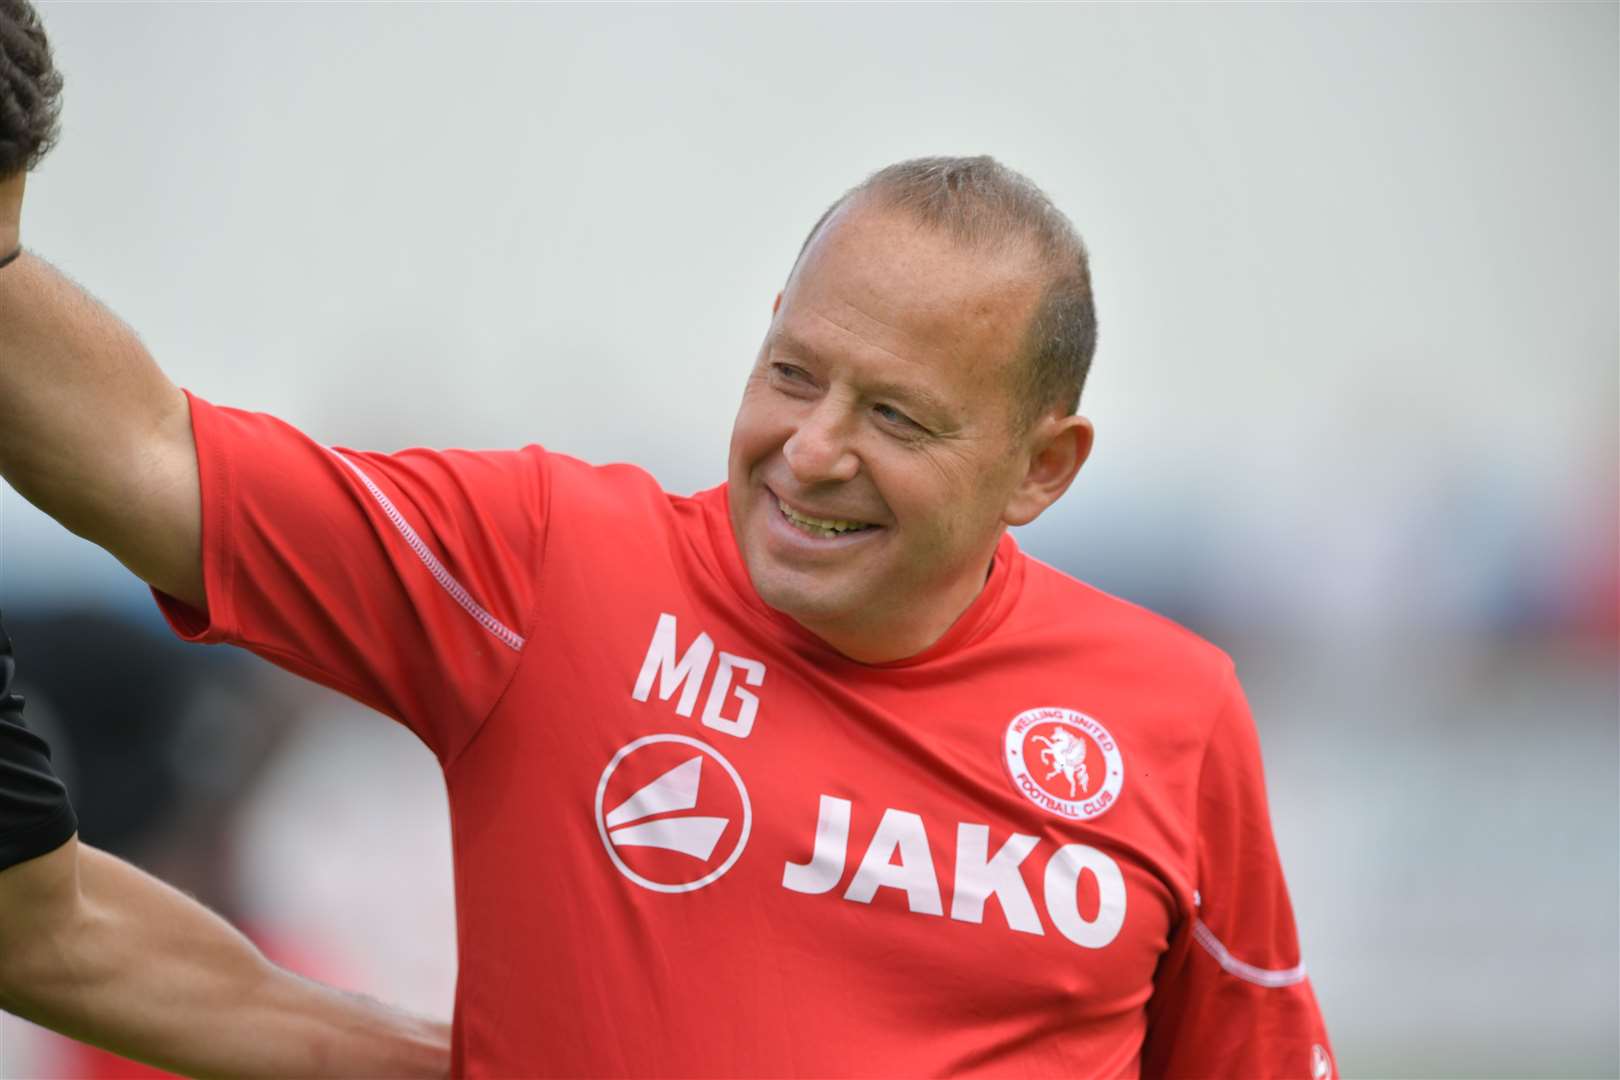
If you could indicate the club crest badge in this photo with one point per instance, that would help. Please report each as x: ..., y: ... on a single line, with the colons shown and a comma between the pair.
x: 1064, y: 761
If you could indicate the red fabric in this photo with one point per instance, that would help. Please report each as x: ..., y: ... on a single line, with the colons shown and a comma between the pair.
x: 862, y: 952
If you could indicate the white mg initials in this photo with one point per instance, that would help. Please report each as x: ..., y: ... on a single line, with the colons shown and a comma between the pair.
x: 899, y: 858
x: 687, y: 673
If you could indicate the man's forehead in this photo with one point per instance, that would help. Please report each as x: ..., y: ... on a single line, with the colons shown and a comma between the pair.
x: 896, y: 284
x: 888, y: 248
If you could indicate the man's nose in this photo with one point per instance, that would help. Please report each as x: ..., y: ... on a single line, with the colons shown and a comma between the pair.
x: 819, y: 451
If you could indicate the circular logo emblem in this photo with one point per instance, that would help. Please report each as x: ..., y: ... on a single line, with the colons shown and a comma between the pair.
x: 672, y: 813
x: 1321, y: 1064
x: 1064, y: 761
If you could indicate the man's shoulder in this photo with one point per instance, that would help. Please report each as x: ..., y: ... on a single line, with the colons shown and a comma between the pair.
x: 1096, y: 619
x: 621, y: 505
x: 620, y: 491
x: 607, y: 482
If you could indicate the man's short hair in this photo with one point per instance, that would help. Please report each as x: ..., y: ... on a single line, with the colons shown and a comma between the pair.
x: 30, y: 89
x: 982, y: 204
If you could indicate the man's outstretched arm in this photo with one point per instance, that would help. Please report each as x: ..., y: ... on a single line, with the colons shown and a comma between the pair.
x: 96, y: 949
x: 100, y: 951
x: 91, y: 431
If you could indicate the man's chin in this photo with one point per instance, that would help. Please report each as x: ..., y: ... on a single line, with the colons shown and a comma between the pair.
x: 800, y: 597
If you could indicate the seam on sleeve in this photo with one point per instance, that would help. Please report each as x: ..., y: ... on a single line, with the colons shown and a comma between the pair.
x: 1271, y: 978
x: 1223, y: 693
x: 532, y: 620
x: 216, y: 484
x: 448, y: 762
x: 447, y: 581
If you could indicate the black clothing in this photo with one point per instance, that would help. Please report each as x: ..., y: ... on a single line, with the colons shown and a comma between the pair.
x: 35, y: 815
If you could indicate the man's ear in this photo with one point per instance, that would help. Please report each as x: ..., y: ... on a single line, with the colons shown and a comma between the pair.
x: 776, y: 305
x: 1056, y: 449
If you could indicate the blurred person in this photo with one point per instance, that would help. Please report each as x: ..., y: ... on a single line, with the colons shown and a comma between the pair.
x: 144, y: 714
x: 717, y: 764
x: 168, y: 754
x: 95, y: 949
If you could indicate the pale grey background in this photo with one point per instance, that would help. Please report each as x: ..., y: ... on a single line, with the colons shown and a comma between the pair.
x: 1356, y: 393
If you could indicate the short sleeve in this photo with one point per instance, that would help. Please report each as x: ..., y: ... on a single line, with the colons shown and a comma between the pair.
x: 402, y: 580
x: 1231, y: 998
x: 35, y: 814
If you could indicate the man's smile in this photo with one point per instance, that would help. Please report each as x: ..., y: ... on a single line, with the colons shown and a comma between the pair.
x: 828, y: 530
x: 820, y: 526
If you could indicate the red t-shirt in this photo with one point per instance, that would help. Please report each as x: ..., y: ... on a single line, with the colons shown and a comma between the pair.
x: 690, y: 839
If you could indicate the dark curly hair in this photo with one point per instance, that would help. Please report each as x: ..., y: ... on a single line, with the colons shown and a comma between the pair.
x: 30, y: 89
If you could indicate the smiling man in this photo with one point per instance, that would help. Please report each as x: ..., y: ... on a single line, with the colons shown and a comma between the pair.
x: 892, y: 427
x: 810, y: 773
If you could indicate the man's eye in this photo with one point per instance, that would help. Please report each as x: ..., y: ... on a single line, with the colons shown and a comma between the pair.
x: 790, y: 373
x: 892, y: 415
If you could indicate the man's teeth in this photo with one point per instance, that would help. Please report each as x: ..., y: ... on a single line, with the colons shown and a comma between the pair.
x: 823, y: 526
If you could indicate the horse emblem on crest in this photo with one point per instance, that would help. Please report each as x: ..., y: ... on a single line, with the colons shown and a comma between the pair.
x: 1064, y: 761
x: 1067, y: 757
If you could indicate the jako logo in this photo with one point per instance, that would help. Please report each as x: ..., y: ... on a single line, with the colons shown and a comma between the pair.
x: 672, y: 820
x: 900, y: 857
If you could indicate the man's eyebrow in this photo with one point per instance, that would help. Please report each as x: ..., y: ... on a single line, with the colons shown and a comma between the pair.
x: 925, y: 400
x: 906, y: 394
x: 785, y: 339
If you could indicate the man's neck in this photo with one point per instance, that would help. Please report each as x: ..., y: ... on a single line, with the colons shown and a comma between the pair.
x: 905, y: 635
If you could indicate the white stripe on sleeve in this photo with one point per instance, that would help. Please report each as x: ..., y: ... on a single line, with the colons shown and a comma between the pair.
x: 458, y: 592
x: 1268, y: 977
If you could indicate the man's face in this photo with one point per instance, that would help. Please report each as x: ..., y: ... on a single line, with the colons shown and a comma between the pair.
x: 874, y: 459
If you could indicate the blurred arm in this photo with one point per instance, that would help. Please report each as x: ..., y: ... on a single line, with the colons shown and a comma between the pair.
x: 97, y: 950
x: 91, y: 431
